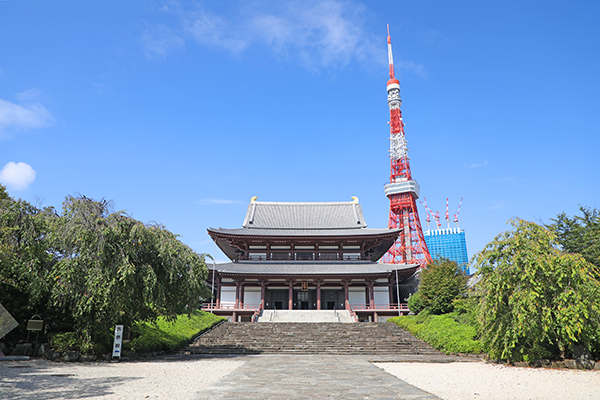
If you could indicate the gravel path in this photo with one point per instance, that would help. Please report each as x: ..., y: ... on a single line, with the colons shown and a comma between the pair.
x: 185, y: 377
x: 464, y: 381
x: 166, y: 378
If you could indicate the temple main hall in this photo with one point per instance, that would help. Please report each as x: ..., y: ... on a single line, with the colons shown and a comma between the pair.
x: 307, y: 256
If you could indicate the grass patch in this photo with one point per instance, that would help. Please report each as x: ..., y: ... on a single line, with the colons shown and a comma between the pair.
x: 449, y: 333
x: 169, y: 336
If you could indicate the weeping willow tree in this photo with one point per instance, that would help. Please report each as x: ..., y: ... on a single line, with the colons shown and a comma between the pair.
x: 536, y: 300
x: 113, y: 269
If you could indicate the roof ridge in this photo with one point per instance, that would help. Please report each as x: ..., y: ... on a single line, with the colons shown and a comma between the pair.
x: 305, y: 202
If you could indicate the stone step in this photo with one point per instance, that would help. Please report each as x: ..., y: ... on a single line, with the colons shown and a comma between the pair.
x: 308, y: 338
x: 305, y: 316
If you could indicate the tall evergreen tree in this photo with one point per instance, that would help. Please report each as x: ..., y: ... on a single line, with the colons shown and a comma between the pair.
x: 579, y: 234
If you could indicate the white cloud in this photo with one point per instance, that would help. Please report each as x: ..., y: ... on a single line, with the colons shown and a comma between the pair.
x: 29, y: 96
x: 483, y: 164
x: 159, y: 40
x: 206, y: 202
x: 15, y: 117
x: 17, y: 175
x: 317, y: 34
x: 211, y: 30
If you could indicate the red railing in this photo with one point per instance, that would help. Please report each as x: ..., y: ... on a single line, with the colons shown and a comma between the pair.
x: 353, y: 307
x: 312, y: 258
x: 366, y: 306
x: 230, y: 306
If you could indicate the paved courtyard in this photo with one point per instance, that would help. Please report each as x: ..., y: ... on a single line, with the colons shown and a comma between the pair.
x: 311, y: 377
x: 292, y: 377
x: 206, y: 377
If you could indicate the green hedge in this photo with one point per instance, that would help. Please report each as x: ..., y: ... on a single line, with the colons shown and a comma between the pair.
x: 449, y: 333
x: 169, y: 336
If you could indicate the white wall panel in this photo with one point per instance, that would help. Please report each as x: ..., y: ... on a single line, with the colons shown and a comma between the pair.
x: 357, y: 295
x: 227, y: 296
x: 381, y: 295
x: 251, y: 296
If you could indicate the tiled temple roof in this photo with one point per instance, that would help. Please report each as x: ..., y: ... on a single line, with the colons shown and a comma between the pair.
x: 312, y: 268
x: 304, y: 232
x: 268, y: 221
x: 313, y: 216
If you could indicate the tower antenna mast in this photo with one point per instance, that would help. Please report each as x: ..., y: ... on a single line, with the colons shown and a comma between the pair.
x: 403, y: 191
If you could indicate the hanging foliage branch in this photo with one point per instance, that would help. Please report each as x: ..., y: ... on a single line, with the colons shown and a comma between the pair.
x: 537, y: 301
x: 113, y: 269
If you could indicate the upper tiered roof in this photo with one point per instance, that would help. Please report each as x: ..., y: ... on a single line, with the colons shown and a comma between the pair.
x: 312, y: 216
x: 336, y: 222
x: 265, y: 218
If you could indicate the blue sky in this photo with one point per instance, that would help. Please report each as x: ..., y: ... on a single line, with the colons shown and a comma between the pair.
x: 180, y: 112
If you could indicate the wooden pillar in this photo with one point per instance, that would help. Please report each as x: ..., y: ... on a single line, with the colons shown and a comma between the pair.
x: 242, y: 290
x: 290, y: 296
x: 346, y: 300
x: 237, y: 294
x: 218, y: 291
x: 391, y: 292
x: 318, y: 295
x: 262, y: 295
x: 371, y: 295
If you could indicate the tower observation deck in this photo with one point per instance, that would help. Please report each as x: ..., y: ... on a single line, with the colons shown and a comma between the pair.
x: 403, y: 191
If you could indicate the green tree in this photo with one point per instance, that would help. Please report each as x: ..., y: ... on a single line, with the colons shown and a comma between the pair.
x: 536, y: 301
x: 441, y: 283
x: 415, y: 303
x: 113, y: 269
x: 579, y: 234
x: 24, y: 259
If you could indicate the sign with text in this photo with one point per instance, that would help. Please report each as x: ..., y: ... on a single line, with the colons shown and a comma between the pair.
x: 118, y: 341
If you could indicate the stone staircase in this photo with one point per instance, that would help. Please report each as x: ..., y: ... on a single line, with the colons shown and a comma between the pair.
x: 307, y: 338
x: 305, y: 316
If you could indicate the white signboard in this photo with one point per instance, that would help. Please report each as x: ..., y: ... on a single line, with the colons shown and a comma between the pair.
x: 118, y: 341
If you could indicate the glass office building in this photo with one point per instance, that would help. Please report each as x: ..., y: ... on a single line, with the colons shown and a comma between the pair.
x: 448, y: 243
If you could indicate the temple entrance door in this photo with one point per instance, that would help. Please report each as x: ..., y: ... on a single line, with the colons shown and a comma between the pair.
x: 277, y: 299
x: 333, y: 299
x: 305, y: 300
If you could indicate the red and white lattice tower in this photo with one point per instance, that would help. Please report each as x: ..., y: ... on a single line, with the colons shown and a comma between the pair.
x: 403, y: 191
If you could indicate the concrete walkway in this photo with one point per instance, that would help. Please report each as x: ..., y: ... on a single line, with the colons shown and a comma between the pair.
x: 311, y: 377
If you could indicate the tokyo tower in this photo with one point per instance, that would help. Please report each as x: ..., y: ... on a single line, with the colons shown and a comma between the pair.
x: 403, y: 191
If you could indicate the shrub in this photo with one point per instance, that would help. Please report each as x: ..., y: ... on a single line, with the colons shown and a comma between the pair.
x: 449, y: 333
x: 81, y: 342
x: 468, y: 310
x: 415, y: 303
x: 441, y: 283
x: 164, y: 335
x: 66, y: 341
